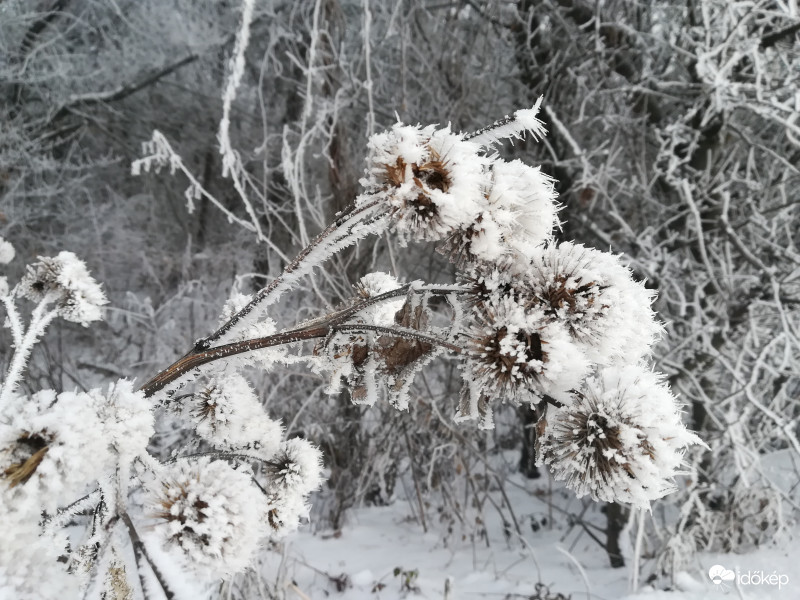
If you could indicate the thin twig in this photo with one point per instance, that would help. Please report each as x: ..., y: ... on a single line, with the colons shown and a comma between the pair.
x: 140, y: 551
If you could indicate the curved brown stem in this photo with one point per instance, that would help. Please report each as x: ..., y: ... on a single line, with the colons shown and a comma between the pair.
x: 318, y: 328
x: 297, y: 262
x: 195, y: 359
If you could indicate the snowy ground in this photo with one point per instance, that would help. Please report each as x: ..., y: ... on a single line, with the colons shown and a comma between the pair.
x: 383, y: 553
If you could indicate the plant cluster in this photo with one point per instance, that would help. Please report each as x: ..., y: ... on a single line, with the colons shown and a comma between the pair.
x: 559, y: 326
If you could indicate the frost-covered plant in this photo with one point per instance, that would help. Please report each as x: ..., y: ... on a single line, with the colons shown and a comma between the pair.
x: 560, y: 327
x: 533, y: 321
x: 81, y: 459
x: 619, y: 437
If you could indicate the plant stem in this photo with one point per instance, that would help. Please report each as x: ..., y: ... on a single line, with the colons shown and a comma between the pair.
x: 317, y: 328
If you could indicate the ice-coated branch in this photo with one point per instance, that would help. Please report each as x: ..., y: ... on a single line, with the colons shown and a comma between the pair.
x: 14, y: 319
x: 40, y: 320
x: 236, y: 66
x: 352, y: 225
x: 402, y: 332
x: 317, y: 328
x: 510, y: 128
x: 141, y: 554
x: 196, y: 359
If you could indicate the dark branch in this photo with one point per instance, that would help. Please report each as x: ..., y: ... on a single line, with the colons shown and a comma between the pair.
x: 140, y: 552
x: 773, y: 38
x: 194, y: 360
x: 122, y: 92
x: 40, y: 25
x: 297, y: 263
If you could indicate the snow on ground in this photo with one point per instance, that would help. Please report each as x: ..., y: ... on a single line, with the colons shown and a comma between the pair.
x: 383, y: 553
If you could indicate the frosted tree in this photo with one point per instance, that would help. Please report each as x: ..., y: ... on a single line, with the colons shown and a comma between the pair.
x: 693, y: 179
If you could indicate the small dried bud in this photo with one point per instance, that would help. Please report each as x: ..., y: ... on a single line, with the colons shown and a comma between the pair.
x: 65, y: 281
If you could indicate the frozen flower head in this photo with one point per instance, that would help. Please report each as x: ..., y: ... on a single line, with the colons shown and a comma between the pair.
x: 50, y: 450
x: 520, y: 215
x: 127, y: 418
x: 433, y: 181
x: 207, y: 513
x: 516, y: 355
x: 491, y: 283
x: 596, y: 298
x: 65, y: 281
x: 296, y: 468
x: 7, y: 252
x: 227, y: 413
x: 294, y: 472
x: 375, y: 284
x: 622, y: 440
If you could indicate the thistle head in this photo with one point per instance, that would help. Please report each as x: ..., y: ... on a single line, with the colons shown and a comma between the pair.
x: 620, y: 440
x: 65, y: 281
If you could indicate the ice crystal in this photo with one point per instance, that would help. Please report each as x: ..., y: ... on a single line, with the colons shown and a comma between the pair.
x: 510, y: 128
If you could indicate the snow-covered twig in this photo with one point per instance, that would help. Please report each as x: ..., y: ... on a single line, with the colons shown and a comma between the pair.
x: 40, y: 320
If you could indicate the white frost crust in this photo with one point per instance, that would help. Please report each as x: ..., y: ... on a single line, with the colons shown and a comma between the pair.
x: 633, y: 407
x: 608, y: 313
x: 127, y: 417
x: 228, y: 414
x: 7, y: 251
x: 63, y: 430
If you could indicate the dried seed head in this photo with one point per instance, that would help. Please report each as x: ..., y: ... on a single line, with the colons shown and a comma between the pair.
x: 585, y: 448
x: 296, y: 468
x: 516, y: 355
x: 432, y: 181
x: 65, y: 281
x: 596, y: 299
x: 620, y: 440
x: 50, y: 449
x: 207, y: 512
x: 519, y: 213
x: 228, y: 414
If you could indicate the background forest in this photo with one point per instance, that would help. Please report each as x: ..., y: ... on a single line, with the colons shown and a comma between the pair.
x: 674, y: 138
